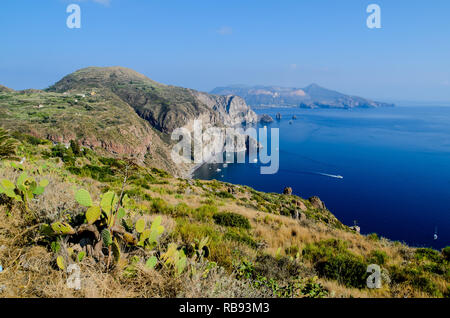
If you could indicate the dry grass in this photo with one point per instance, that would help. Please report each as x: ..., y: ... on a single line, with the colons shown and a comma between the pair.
x: 30, y: 270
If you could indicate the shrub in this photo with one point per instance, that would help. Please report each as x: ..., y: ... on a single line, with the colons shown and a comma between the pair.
x: 7, y: 145
x: 159, y: 205
x: 160, y: 173
x: 112, y: 162
x: 327, y: 248
x: 213, y: 281
x: 426, y: 285
x: 102, y: 174
x: 281, y: 268
x: 30, y: 139
x: 312, y: 289
x: 446, y: 253
x: 209, y: 201
x: 435, y: 268
x: 285, y: 212
x: 140, y: 182
x: 182, y: 209
x: 333, y: 260
x: 75, y: 148
x: 292, y: 250
x: 428, y: 254
x: 231, y: 219
x: 205, y: 212
x: 225, y: 195
x: 241, y: 238
x: 415, y: 277
x: 220, y: 250
x: 377, y: 257
x: 373, y: 237
x: 447, y: 292
x: 347, y: 269
x: 279, y: 276
x: 66, y: 155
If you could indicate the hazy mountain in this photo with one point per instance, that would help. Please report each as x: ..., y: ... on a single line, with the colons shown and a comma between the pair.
x: 312, y: 96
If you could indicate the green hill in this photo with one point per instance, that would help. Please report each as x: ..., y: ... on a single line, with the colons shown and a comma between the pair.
x: 165, y: 107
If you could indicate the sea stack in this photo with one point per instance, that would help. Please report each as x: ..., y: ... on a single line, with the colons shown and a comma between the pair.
x: 266, y: 119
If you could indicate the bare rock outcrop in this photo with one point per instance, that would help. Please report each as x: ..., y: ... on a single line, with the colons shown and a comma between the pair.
x: 266, y: 119
x: 317, y: 203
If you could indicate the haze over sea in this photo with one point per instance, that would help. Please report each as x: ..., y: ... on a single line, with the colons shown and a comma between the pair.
x: 395, y: 163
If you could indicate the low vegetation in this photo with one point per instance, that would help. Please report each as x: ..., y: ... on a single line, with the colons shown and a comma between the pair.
x: 77, y: 223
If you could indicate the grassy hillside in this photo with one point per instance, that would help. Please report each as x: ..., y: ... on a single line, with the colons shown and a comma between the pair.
x: 96, y: 119
x: 165, y: 107
x: 136, y: 231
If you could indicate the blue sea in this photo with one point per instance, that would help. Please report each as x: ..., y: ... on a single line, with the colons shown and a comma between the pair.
x: 395, y: 164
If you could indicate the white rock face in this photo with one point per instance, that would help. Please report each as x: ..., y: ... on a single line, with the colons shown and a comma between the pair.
x: 232, y: 110
x: 226, y: 112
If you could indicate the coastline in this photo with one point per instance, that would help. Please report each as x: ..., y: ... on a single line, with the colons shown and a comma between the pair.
x: 190, y: 173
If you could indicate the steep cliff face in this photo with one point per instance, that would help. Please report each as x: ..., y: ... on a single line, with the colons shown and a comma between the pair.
x: 230, y: 110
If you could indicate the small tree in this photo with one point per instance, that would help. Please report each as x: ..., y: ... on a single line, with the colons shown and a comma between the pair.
x: 75, y: 148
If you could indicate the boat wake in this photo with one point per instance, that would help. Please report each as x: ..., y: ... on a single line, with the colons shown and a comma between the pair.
x: 315, y: 173
x: 330, y: 175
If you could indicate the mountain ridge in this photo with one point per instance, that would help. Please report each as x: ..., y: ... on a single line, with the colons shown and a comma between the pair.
x: 166, y: 107
x: 311, y: 96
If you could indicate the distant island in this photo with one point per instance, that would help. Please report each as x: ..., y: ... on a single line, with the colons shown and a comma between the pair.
x: 312, y: 96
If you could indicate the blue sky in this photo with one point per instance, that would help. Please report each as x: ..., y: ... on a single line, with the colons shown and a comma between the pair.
x: 202, y: 44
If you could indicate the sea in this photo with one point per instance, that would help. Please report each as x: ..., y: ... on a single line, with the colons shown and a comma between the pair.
x: 385, y: 169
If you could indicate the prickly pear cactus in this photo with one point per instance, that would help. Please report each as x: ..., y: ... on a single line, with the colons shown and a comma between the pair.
x: 107, y: 237
x: 130, y: 239
x: 61, y: 263
x: 140, y: 225
x: 83, y: 198
x: 8, y: 188
x: 62, y: 228
x: 93, y: 214
x: 116, y: 250
x: 151, y: 262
